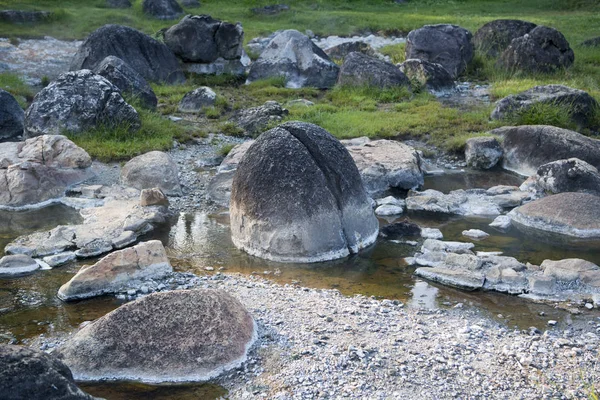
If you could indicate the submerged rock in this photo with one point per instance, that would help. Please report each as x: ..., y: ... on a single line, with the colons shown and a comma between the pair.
x: 297, y: 197
x: 154, y: 169
x: 177, y: 336
x: 34, y: 375
x: 294, y: 57
x: 77, y: 102
x: 118, y: 271
x: 571, y: 214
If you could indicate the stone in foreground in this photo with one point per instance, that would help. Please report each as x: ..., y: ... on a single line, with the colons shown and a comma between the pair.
x: 118, y: 271
x: 154, y: 169
x: 33, y: 375
x: 571, y: 214
x: 297, y: 196
x: 294, y: 57
x: 177, y: 336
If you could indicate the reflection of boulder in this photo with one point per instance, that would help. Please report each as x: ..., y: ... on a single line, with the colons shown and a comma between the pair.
x: 40, y: 169
x: 297, y: 196
x: 177, y: 336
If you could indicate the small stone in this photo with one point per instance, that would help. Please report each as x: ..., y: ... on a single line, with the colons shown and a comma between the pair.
x: 589, y: 306
x: 552, y: 322
x: 431, y: 233
x: 388, y: 209
x: 475, y: 234
x: 501, y: 222
x: 153, y: 197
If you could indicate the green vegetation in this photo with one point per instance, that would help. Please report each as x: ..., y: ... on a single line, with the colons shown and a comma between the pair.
x: 345, y: 112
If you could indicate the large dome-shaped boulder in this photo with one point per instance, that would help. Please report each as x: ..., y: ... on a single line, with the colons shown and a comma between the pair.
x: 495, y: 36
x: 527, y: 147
x: 360, y: 69
x: 178, y: 336
x: 543, y: 49
x: 33, y: 375
x: 12, y: 116
x: 297, y: 59
x: 120, y: 74
x: 571, y: 214
x: 297, y: 196
x: 78, y: 101
x: 448, y: 45
x: 150, y: 58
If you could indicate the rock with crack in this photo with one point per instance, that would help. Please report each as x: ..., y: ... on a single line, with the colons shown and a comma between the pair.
x: 117, y: 221
x: 176, y: 336
x: 528, y: 147
x: 35, y: 375
x: 12, y: 117
x: 40, y: 169
x: 76, y: 102
x: 154, y: 169
x: 150, y: 58
x: 118, y: 271
x: 296, y: 59
x: 571, y: 214
x: 577, y: 104
x: 297, y: 197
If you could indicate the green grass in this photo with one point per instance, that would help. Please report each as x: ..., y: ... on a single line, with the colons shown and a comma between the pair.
x: 14, y: 85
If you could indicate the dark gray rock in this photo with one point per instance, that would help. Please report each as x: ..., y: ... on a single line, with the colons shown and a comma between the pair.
x: 120, y: 74
x: 189, y: 3
x: 255, y: 120
x: 154, y: 169
x: 176, y: 336
x: 118, y: 3
x: 162, y: 9
x: 203, y: 39
x: 33, y: 375
x: 78, y: 101
x: 581, y: 106
x: 495, y: 36
x: 483, y: 152
x: 273, y: 9
x: 12, y: 116
x: 571, y: 214
x: 430, y: 75
x: 340, y: 51
x: 359, y: 69
x: 447, y: 45
x: 150, y: 58
x: 298, y: 197
x: 594, y: 42
x: 572, y: 175
x: 197, y: 99
x: 22, y: 17
x: 297, y: 59
x: 528, y: 147
x: 543, y: 49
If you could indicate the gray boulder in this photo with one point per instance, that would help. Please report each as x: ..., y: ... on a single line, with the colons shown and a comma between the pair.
x: 154, y: 169
x: 360, y: 69
x: 297, y: 196
x: 162, y: 9
x: 118, y: 271
x: 340, y: 51
x: 76, y: 102
x: 16, y: 265
x: 571, y: 214
x: 543, y: 49
x: 444, y: 44
x: 40, y: 169
x: 33, y: 375
x: 197, y: 99
x: 118, y: 3
x: 257, y: 119
x: 12, y: 117
x: 483, y: 152
x: 120, y: 74
x: 572, y: 175
x: 570, y: 269
x: 495, y: 36
x: 273, y: 9
x: 429, y: 75
x: 177, y: 336
x: 594, y: 42
x: 297, y: 59
x: 528, y: 147
x: 150, y: 58
x: 23, y: 17
x: 203, y: 39
x: 579, y: 104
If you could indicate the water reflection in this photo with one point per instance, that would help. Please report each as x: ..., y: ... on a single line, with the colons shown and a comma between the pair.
x: 424, y: 295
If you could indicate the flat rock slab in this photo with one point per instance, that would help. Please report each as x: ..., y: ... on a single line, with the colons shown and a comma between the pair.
x: 466, y: 280
x: 571, y: 214
x: 177, y: 336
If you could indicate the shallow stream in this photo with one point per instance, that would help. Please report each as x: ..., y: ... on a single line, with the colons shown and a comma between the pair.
x: 29, y: 306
